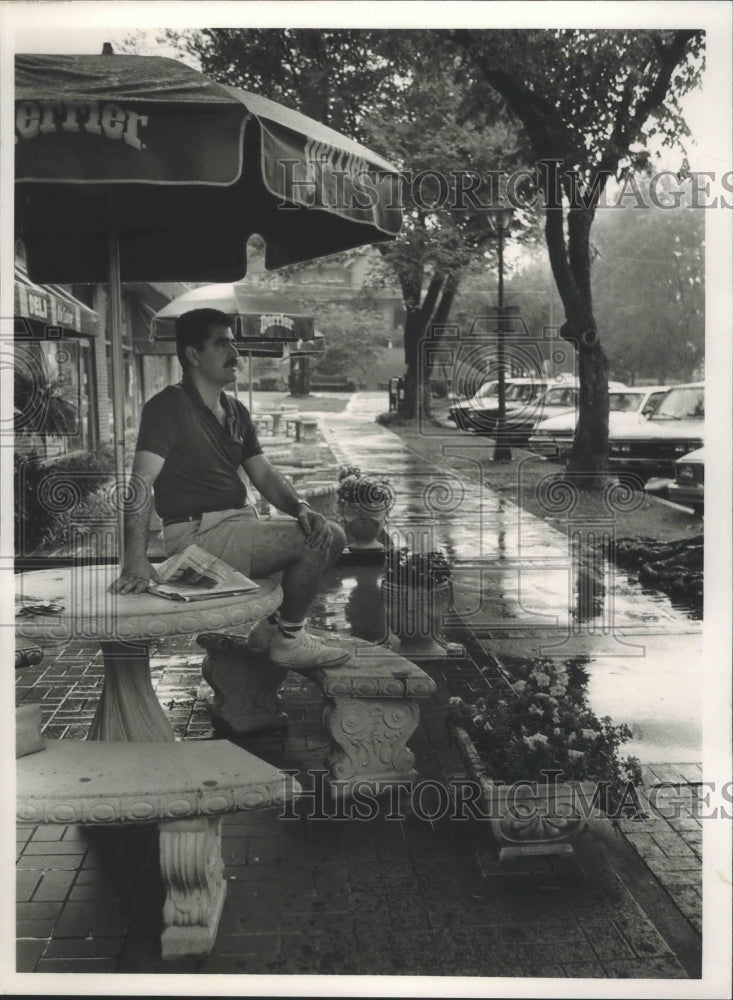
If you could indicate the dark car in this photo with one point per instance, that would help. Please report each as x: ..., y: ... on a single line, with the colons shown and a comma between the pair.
x: 676, y: 428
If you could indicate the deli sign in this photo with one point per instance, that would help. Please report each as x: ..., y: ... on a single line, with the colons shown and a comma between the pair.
x: 46, y: 308
x: 102, y: 118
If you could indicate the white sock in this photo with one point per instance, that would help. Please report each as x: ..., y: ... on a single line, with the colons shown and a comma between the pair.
x: 290, y: 629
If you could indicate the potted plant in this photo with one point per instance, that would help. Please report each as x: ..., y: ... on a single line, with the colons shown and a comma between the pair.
x: 544, y: 761
x: 417, y: 591
x: 364, y: 502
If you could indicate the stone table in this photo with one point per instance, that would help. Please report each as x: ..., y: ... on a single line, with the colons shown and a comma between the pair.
x: 124, y: 625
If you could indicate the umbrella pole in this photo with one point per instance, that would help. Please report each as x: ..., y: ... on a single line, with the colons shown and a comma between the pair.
x: 249, y: 354
x: 118, y: 388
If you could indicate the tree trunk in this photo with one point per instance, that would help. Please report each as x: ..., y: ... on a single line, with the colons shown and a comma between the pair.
x: 416, y: 323
x: 588, y: 461
x: 442, y: 313
x: 570, y: 261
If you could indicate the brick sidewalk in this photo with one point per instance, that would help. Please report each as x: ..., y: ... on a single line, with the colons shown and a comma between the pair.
x: 311, y: 896
x: 670, y: 842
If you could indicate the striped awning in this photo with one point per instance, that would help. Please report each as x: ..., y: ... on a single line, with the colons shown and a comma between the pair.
x: 51, y: 306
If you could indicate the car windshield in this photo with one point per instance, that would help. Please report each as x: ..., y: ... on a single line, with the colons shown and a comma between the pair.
x: 487, y: 389
x: 682, y: 404
x: 560, y: 396
x: 524, y: 393
x: 624, y: 402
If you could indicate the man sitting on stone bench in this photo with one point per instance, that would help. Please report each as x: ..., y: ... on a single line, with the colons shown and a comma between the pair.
x: 193, y: 441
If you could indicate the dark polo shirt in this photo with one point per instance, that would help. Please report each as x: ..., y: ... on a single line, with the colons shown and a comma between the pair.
x: 201, y: 456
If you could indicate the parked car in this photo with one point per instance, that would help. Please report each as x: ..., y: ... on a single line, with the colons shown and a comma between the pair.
x: 674, y: 429
x: 464, y: 412
x: 552, y: 401
x: 688, y: 486
x: 524, y: 398
x: 553, y: 437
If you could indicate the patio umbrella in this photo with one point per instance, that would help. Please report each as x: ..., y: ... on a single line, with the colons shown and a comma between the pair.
x: 140, y: 168
x: 259, y: 315
x: 263, y: 318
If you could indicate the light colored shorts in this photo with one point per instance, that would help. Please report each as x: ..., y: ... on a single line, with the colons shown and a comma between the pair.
x: 228, y: 534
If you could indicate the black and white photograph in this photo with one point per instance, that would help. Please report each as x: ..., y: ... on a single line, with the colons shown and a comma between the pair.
x: 366, y: 549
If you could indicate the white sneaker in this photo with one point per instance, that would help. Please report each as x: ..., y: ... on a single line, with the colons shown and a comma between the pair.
x: 261, y: 635
x: 304, y: 651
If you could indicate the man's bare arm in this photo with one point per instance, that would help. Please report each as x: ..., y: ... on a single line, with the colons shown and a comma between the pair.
x: 136, y: 569
x: 278, y: 491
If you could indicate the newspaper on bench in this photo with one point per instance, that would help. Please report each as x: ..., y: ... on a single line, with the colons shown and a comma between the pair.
x: 196, y: 575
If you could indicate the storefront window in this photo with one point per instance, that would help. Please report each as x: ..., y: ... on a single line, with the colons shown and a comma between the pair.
x: 48, y: 396
x: 58, y: 473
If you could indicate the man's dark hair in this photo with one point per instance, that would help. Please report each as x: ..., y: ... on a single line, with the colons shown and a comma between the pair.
x: 193, y: 328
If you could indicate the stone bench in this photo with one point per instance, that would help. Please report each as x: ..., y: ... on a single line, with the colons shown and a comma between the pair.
x: 184, y: 788
x: 306, y: 430
x: 280, y: 414
x: 371, y: 710
x: 263, y: 423
x: 291, y: 421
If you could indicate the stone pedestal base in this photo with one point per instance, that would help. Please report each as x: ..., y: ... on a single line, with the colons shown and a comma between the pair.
x: 246, y: 686
x: 192, y: 872
x: 426, y: 646
x: 128, y: 708
x: 369, y: 742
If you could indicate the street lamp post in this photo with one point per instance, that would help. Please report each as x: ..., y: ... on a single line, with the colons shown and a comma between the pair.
x: 501, y: 219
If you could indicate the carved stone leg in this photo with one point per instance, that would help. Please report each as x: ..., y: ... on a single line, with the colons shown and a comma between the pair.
x: 192, y: 870
x: 128, y: 709
x: 246, y: 691
x: 369, y: 741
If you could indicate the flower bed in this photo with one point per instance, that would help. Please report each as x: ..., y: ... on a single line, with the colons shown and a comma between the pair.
x: 533, y: 724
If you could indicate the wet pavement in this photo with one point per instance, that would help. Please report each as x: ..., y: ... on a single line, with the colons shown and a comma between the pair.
x: 523, y: 590
x: 425, y: 895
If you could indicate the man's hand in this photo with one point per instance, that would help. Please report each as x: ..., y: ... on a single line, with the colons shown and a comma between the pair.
x: 135, y: 576
x: 315, y: 527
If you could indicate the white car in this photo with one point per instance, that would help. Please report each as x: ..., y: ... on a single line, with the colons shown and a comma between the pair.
x: 674, y: 429
x: 525, y: 399
x: 553, y: 437
x: 688, y: 485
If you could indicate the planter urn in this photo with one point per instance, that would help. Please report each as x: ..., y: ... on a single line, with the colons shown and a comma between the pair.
x: 364, y: 524
x: 415, y: 616
x: 529, y: 818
